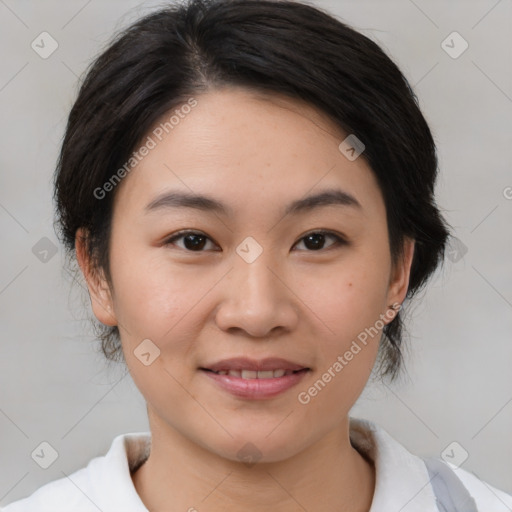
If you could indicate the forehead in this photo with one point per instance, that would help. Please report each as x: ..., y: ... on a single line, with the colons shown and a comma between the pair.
x: 246, y: 148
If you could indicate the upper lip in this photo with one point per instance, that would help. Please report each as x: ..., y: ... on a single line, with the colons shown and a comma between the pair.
x: 244, y: 363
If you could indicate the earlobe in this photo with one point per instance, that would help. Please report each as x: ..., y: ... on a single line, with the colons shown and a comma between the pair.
x: 99, y: 290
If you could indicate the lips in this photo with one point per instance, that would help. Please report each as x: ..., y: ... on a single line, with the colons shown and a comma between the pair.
x: 246, y: 368
x: 252, y: 374
x: 251, y: 379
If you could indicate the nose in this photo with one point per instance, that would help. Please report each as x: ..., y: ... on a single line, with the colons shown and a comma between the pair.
x: 257, y: 299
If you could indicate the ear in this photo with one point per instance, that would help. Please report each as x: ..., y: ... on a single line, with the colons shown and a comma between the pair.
x: 399, y: 280
x: 99, y: 290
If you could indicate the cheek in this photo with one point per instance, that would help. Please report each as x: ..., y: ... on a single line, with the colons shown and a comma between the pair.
x: 347, y: 305
x: 148, y: 300
x: 346, y: 299
x: 160, y: 301
x: 154, y: 303
x: 348, y: 309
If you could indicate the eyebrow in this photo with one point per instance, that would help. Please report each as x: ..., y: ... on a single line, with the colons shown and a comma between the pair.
x: 175, y: 199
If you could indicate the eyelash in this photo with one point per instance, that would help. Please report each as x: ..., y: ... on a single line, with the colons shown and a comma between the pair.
x: 339, y: 240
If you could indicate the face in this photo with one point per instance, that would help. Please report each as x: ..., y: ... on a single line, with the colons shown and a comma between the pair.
x: 252, y: 278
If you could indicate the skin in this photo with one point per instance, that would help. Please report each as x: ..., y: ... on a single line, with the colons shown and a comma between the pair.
x: 255, y: 154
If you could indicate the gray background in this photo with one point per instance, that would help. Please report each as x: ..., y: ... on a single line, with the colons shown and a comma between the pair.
x: 56, y: 388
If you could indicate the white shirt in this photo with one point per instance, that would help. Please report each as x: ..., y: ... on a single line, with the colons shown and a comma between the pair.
x: 402, y: 480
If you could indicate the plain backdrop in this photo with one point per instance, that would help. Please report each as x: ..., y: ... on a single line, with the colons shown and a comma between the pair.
x: 55, y: 387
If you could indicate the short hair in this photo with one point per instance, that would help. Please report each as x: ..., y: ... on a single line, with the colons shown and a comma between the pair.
x: 270, y: 46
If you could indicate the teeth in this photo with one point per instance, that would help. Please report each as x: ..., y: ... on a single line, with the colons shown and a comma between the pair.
x: 252, y: 374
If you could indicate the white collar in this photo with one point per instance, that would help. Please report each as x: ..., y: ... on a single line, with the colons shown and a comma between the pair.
x: 402, y: 480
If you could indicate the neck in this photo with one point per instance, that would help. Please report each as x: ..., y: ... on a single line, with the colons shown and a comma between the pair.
x: 181, y: 475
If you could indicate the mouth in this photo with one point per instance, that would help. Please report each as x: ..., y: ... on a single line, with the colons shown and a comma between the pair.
x: 252, y: 374
x: 246, y: 368
x: 252, y: 379
x: 255, y: 385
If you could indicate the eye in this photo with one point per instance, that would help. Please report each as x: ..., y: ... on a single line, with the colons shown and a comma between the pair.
x: 196, y: 241
x: 316, y: 240
x: 193, y: 241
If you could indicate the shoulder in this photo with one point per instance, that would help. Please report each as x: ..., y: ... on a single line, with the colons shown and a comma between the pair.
x: 103, y: 484
x: 400, y: 474
x: 486, y: 496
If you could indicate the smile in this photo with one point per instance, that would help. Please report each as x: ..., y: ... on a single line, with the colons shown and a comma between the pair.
x: 255, y: 385
x: 251, y: 374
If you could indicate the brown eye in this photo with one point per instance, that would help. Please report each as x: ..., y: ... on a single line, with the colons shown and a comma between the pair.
x: 192, y: 241
x: 315, y: 241
x: 195, y: 241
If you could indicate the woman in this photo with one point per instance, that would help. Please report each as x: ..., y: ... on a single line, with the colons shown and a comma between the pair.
x: 249, y: 189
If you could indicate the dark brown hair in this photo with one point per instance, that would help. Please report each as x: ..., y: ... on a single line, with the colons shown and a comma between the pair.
x: 285, y: 47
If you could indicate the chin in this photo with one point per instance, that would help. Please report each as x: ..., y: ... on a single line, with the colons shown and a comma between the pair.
x: 258, y: 448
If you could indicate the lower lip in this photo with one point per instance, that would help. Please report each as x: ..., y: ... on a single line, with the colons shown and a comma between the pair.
x: 256, y: 389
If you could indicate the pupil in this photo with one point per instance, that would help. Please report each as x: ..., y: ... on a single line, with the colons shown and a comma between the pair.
x: 193, y: 245
x: 316, y: 238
